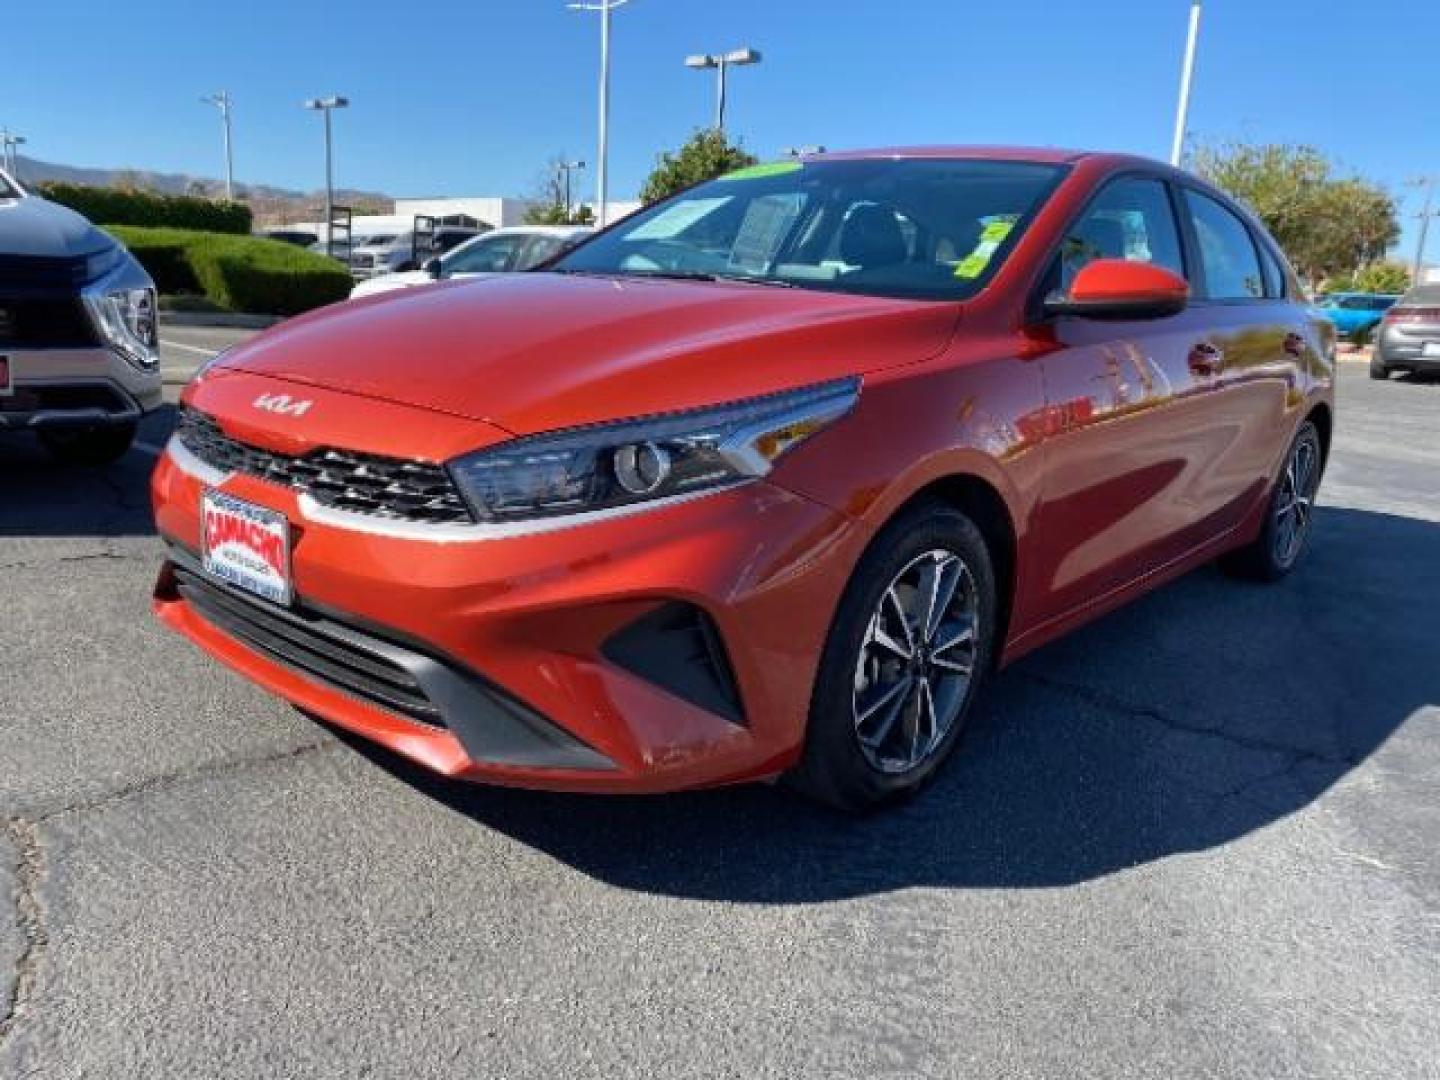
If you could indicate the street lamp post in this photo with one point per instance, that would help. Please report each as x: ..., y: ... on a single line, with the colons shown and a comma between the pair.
x: 1426, y: 213
x: 327, y: 106
x: 722, y: 62
x: 8, y: 155
x: 222, y: 102
x: 604, y: 7
x: 566, y: 168
x: 1187, y: 73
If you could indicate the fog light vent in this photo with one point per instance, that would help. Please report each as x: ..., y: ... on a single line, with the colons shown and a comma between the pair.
x: 678, y: 648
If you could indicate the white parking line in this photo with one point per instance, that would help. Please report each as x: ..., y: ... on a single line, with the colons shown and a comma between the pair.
x: 188, y: 348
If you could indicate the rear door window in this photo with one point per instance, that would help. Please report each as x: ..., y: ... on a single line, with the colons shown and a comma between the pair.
x: 1228, y: 259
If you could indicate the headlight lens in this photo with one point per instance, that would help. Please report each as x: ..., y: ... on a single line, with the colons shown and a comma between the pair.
x: 126, y: 319
x: 613, y: 465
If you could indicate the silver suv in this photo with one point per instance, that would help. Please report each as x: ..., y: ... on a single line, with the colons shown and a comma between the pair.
x: 79, y: 359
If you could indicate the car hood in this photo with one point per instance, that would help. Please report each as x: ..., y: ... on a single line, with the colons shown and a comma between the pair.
x: 37, y: 227
x: 540, y: 351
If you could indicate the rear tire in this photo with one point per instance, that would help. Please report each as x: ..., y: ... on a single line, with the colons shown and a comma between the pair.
x: 1378, y: 370
x: 910, y: 646
x: 88, y: 446
x: 1288, y: 514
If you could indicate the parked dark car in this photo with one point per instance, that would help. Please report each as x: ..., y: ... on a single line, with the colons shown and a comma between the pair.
x: 298, y: 237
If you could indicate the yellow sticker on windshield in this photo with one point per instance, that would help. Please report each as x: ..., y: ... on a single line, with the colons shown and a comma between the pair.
x: 759, y: 172
x: 973, y: 265
x: 996, y: 231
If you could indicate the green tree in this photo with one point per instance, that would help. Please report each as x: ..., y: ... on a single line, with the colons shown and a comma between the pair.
x: 1328, y: 225
x: 555, y: 214
x: 552, y: 201
x: 707, y: 155
x: 1381, y: 277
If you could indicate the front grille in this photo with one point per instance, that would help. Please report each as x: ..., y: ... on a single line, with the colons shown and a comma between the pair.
x: 335, y: 655
x: 55, y: 322
x: 30, y: 399
x: 32, y: 272
x: 360, y: 483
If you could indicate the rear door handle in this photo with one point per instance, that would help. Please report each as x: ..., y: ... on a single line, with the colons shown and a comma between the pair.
x: 1206, y: 359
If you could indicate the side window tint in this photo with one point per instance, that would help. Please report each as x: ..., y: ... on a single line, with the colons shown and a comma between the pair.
x: 1227, y: 254
x: 1130, y: 219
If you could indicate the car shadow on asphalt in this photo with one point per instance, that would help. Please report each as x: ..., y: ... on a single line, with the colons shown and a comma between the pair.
x: 1204, y: 711
x: 39, y: 497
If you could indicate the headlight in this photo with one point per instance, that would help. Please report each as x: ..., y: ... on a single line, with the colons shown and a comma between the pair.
x: 613, y: 465
x: 126, y: 320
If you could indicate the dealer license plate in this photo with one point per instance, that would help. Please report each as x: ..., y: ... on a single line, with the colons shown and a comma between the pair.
x: 246, y: 545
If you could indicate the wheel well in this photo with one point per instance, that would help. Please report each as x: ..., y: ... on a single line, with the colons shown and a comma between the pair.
x: 982, y: 504
x: 1320, y: 417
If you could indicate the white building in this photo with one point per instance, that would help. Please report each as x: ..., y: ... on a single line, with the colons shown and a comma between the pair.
x: 479, y: 211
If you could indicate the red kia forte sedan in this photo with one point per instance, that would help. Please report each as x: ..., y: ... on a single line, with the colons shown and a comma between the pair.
x: 764, y: 481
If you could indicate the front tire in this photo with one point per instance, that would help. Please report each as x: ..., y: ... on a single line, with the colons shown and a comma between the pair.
x: 1288, y: 514
x: 907, y: 653
x: 88, y: 446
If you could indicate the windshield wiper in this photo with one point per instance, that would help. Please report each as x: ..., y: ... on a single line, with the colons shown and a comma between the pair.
x: 705, y: 275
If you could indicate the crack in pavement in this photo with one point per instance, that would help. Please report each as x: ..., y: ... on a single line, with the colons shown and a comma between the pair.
x: 30, y: 868
x: 29, y: 916
x: 31, y: 564
x: 165, y: 781
x: 1101, y: 699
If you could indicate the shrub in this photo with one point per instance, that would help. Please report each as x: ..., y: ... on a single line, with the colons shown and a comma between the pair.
x: 165, y: 255
x: 112, y: 206
x: 238, y: 273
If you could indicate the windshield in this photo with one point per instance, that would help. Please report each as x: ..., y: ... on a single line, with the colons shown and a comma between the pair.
x: 918, y: 228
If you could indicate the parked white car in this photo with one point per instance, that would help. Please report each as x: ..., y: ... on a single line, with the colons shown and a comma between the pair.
x: 500, y: 251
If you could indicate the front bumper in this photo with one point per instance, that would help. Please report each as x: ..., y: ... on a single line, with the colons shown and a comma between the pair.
x: 76, y: 387
x: 573, y: 643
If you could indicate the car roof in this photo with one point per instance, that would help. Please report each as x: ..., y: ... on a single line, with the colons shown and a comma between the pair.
x: 1425, y: 294
x: 540, y: 230
x: 1041, y: 154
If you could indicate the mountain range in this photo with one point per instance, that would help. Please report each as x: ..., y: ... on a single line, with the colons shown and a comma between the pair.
x: 32, y: 170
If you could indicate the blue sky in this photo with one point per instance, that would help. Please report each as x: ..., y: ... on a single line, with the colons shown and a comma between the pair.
x: 472, y: 96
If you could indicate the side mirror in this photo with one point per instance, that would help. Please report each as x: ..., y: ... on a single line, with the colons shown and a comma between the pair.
x: 432, y: 267
x: 1120, y: 289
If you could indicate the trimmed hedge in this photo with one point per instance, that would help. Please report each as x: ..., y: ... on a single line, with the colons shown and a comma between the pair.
x: 112, y: 206
x: 238, y: 273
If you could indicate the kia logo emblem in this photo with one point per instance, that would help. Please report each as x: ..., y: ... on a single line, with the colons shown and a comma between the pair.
x: 282, y: 405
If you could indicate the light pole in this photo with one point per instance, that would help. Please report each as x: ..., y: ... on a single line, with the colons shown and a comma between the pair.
x: 722, y: 62
x: 1187, y: 73
x: 222, y: 102
x: 8, y: 154
x: 604, y: 7
x: 566, y: 168
x: 1426, y: 213
x: 327, y: 106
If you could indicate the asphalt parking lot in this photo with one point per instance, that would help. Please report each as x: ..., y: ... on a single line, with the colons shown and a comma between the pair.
x: 1195, y: 839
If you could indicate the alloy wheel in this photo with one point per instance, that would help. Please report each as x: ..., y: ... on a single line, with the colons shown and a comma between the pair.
x: 916, y: 661
x: 1295, y: 499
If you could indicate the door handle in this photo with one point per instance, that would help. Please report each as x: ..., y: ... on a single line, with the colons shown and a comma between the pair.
x: 1206, y: 359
